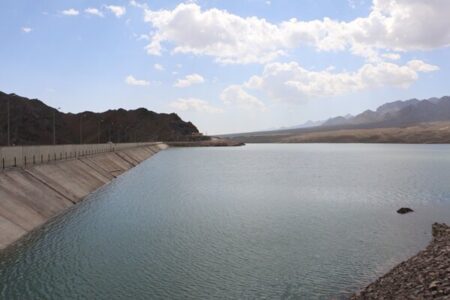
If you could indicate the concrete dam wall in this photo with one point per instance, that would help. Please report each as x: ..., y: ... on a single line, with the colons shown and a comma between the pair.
x: 39, y: 182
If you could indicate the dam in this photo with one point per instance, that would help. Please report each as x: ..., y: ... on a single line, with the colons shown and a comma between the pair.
x: 40, y: 182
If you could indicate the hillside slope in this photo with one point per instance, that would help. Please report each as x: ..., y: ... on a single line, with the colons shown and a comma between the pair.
x: 399, y: 113
x: 410, y: 121
x: 423, y: 133
x: 31, y: 123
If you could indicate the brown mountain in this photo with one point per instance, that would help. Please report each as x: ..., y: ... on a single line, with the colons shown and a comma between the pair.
x: 410, y: 121
x: 31, y: 123
x: 398, y: 113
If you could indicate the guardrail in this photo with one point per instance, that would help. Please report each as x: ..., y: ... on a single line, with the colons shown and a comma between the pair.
x: 22, y: 156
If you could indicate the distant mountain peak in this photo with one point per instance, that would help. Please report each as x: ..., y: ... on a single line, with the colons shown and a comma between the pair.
x: 399, y: 112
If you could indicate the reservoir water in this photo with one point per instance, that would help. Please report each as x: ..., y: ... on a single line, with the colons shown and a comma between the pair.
x: 313, y: 221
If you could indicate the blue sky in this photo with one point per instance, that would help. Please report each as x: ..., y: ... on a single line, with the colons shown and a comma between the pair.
x: 227, y: 66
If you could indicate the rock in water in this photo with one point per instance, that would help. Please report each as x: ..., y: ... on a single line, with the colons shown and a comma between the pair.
x: 404, y: 210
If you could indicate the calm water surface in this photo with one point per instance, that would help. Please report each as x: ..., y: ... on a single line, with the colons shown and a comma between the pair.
x: 255, y: 222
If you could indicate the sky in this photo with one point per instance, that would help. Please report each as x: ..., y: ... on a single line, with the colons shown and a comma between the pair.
x: 227, y: 66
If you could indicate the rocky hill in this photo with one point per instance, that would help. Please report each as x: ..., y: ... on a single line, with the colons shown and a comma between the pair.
x: 398, y: 113
x: 31, y: 123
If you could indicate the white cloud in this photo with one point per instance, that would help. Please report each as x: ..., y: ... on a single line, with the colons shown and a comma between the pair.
x: 158, y: 67
x: 137, y: 4
x: 117, y: 10
x: 189, y: 80
x: 355, y: 3
x: 93, y: 11
x: 227, y: 37
x: 391, y: 56
x: 235, y: 94
x: 194, y: 104
x: 399, y: 25
x: 27, y: 29
x: 289, y: 82
x: 130, y: 80
x: 420, y: 66
x: 143, y: 37
x: 70, y: 12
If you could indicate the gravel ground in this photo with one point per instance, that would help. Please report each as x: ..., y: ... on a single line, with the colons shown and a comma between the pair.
x: 423, y: 276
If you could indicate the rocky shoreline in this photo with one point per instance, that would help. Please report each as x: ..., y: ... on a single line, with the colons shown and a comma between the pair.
x: 423, y: 276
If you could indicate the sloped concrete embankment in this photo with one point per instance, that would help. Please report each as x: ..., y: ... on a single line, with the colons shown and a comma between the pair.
x: 30, y: 195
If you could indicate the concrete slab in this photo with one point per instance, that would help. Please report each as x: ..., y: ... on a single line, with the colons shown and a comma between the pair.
x: 10, y: 232
x: 73, y: 179
x: 16, y: 211
x: 33, y: 193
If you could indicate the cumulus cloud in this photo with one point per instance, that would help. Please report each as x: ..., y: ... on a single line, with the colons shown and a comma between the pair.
x: 70, y: 12
x: 117, y: 10
x: 227, y: 37
x: 354, y: 3
x: 130, y: 80
x: 142, y: 37
x: 27, y: 29
x: 194, y: 104
x: 189, y: 80
x: 420, y: 66
x: 138, y: 4
x: 391, y: 56
x: 236, y: 95
x: 158, y: 67
x: 93, y: 11
x: 289, y: 82
x: 398, y: 25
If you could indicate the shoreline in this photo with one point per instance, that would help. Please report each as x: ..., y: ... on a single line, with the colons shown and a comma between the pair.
x: 423, y: 276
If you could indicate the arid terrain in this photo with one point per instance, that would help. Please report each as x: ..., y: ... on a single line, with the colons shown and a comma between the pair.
x: 411, y: 121
x: 424, y: 133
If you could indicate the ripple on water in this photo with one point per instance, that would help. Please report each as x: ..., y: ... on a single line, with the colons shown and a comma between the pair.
x: 261, y: 221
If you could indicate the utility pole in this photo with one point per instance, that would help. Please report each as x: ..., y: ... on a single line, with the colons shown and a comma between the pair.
x: 81, y: 129
x: 9, y: 129
x: 126, y: 135
x: 110, y: 130
x: 98, y: 132
x: 54, y: 125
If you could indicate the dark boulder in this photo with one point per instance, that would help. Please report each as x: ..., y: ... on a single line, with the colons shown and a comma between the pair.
x: 404, y: 210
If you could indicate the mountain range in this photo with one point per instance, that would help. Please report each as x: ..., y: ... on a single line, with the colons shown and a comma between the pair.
x: 31, y: 123
x: 409, y: 121
x: 398, y: 113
